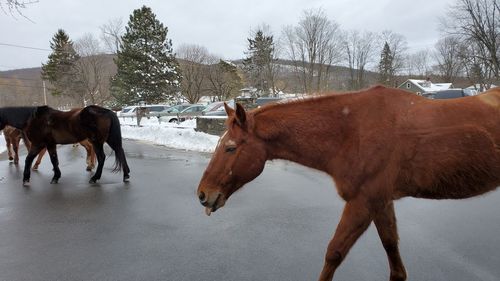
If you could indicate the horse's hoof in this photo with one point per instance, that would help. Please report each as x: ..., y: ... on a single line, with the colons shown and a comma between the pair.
x: 35, y: 168
x: 88, y: 169
x: 54, y: 181
x: 92, y: 181
x: 26, y: 183
x: 11, y: 158
x: 126, y: 178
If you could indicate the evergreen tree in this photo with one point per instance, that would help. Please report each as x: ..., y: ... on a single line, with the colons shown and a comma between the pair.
x: 147, y: 68
x: 259, y: 62
x: 385, y: 67
x: 60, y: 70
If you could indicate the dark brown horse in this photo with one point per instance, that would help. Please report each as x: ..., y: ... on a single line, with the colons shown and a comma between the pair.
x: 13, y: 137
x: 378, y: 145
x: 46, y: 127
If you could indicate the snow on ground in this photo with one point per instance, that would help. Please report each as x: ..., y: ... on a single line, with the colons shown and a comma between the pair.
x: 178, y: 136
x: 2, y: 144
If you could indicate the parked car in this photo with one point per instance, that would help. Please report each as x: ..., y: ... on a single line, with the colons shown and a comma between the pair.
x: 173, y: 110
x: 153, y: 109
x: 448, y: 94
x: 217, y: 109
x: 188, y: 113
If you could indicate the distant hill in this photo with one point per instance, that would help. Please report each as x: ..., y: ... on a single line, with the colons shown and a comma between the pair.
x: 21, y: 87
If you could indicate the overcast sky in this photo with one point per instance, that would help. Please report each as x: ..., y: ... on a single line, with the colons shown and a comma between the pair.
x: 222, y: 26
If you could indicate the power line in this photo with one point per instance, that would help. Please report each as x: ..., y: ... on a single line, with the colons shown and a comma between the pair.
x: 25, y: 86
x: 20, y: 78
x: 24, y: 47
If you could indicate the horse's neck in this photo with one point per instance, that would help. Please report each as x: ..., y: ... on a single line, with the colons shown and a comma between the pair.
x: 17, y: 120
x: 311, y: 138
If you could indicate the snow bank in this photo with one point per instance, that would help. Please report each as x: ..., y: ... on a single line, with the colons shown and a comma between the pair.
x: 178, y: 136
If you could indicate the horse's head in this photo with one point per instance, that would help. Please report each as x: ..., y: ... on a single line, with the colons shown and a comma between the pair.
x: 238, y: 158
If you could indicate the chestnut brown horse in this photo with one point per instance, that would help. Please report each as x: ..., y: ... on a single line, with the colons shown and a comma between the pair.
x: 89, y: 160
x: 378, y: 145
x: 46, y: 127
x: 13, y: 137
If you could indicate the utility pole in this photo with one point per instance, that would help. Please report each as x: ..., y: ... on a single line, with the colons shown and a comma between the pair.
x: 44, y: 93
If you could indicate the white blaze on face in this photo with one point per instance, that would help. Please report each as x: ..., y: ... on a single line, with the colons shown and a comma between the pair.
x: 230, y: 143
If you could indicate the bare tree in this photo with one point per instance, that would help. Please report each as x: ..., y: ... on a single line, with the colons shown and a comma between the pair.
x: 111, y: 34
x: 223, y: 79
x: 478, y: 21
x: 398, y: 46
x: 359, y: 52
x: 314, y: 46
x: 91, y: 71
x: 478, y: 71
x: 193, y: 64
x: 447, y: 56
x: 15, y: 6
x: 418, y: 63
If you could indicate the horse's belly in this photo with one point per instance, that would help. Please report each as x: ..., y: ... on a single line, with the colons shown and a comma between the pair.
x: 454, y: 164
x: 65, y: 137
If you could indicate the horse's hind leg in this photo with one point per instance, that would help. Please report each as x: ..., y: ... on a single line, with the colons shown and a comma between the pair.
x: 385, y: 221
x: 99, y: 151
x: 39, y: 159
x: 55, y: 163
x: 356, y: 218
x: 91, y: 157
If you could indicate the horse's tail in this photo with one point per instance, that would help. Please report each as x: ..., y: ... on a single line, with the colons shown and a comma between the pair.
x: 115, y: 142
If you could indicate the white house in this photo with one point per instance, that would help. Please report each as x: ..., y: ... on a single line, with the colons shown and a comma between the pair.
x: 421, y: 87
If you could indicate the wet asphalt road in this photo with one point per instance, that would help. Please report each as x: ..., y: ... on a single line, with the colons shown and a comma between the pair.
x: 276, y: 228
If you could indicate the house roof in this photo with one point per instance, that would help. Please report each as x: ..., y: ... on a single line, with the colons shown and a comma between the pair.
x: 429, y: 87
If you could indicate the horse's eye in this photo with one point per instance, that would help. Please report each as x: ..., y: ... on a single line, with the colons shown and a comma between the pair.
x: 231, y: 149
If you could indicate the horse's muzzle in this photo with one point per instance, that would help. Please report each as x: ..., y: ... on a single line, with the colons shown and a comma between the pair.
x: 211, y: 202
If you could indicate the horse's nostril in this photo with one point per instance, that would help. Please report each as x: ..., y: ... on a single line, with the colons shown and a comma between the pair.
x: 202, y: 197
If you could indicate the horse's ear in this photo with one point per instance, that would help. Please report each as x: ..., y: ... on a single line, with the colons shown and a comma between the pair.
x: 241, y: 115
x: 228, y: 109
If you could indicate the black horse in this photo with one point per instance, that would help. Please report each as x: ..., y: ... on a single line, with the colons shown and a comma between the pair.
x: 47, y: 127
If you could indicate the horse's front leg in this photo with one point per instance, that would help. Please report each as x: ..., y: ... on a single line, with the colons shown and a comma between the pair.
x: 33, y: 152
x: 356, y: 218
x: 99, y: 151
x: 385, y: 221
x: 55, y: 163
x: 15, y: 147
x: 8, y: 144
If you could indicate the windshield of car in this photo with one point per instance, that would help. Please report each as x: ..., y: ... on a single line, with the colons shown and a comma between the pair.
x: 213, y: 106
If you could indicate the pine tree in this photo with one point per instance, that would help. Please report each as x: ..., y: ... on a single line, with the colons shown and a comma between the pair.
x: 259, y: 63
x: 60, y: 70
x: 147, y: 68
x: 385, y: 67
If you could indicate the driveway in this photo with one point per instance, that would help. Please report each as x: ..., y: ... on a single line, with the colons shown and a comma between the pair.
x: 276, y: 228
